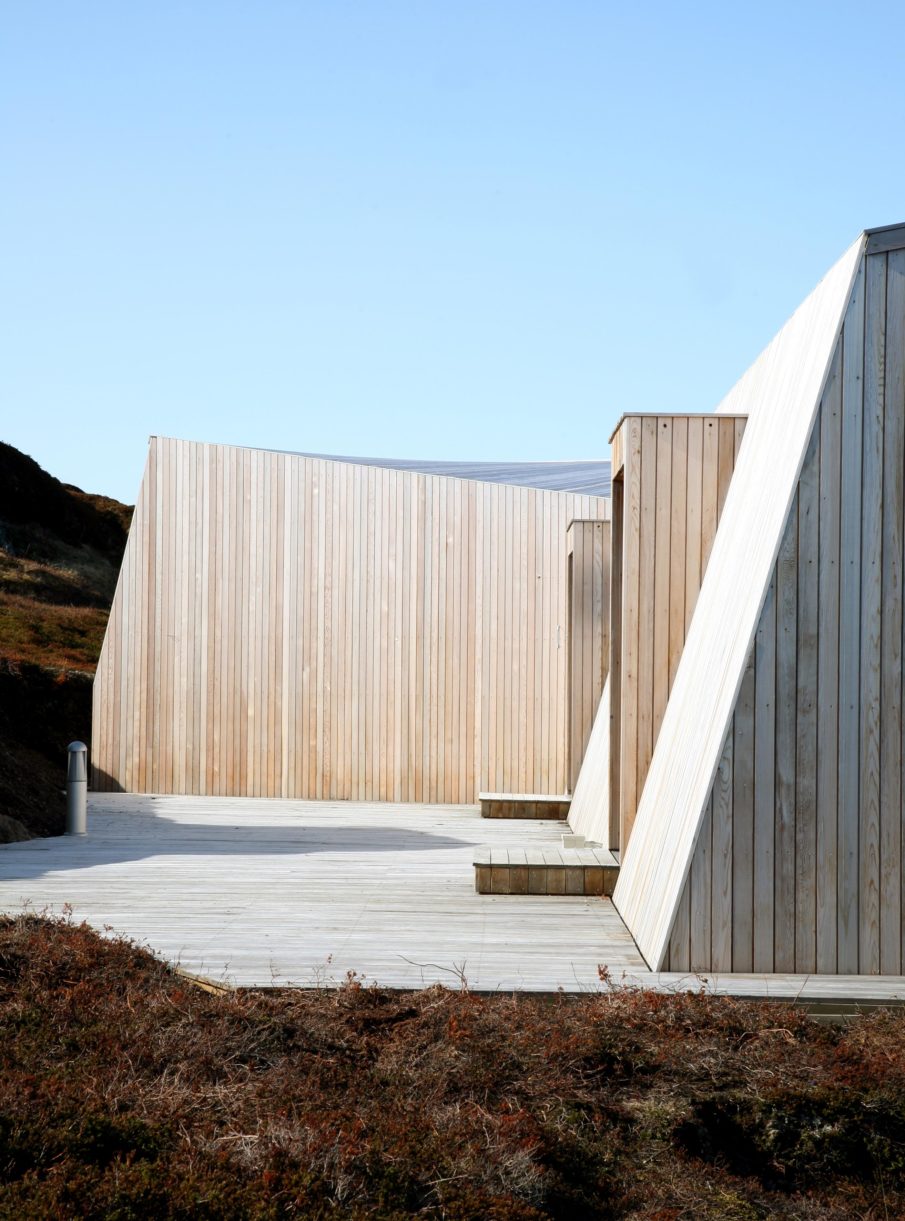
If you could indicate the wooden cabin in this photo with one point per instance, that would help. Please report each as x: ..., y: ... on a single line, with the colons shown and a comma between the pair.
x: 750, y: 760
x: 709, y: 666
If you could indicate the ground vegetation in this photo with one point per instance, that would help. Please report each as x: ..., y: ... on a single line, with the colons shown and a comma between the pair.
x: 128, y: 1092
x: 60, y: 552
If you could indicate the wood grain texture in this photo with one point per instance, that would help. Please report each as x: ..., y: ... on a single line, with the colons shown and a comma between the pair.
x: 871, y: 613
x: 806, y: 710
x: 627, y: 693
x: 259, y: 893
x: 270, y: 893
x: 289, y: 626
x: 781, y: 395
x: 827, y: 659
x: 828, y: 666
x: 735, y: 908
x: 666, y: 506
x: 891, y: 665
x: 763, y: 865
x: 588, y: 583
x: 784, y: 788
x: 606, y: 760
x: 589, y: 812
x: 850, y: 631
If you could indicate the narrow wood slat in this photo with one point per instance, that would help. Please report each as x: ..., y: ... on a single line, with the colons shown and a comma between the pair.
x: 763, y: 864
x: 893, y: 622
x: 722, y: 898
x: 630, y: 664
x: 663, y: 544
x: 678, y: 528
x: 871, y: 614
x: 850, y: 632
x: 647, y: 598
x: 587, y: 583
x: 742, y: 820
x: 679, y: 955
x: 607, y: 763
x: 805, y: 934
x: 786, y: 710
x: 828, y: 666
x: 701, y: 892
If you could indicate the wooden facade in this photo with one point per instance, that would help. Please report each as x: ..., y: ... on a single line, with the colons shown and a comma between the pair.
x: 770, y: 833
x: 714, y: 671
x: 670, y: 475
x: 286, y: 626
x: 799, y: 862
x: 588, y: 585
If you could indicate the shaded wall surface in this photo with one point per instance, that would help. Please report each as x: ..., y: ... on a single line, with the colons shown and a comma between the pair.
x: 799, y: 865
x: 588, y: 547
x: 672, y: 474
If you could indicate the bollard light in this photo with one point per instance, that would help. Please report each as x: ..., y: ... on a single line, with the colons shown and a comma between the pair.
x: 77, y: 789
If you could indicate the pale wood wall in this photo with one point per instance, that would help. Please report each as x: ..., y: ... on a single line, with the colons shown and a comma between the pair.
x: 588, y: 548
x: 671, y: 474
x: 292, y: 627
x: 799, y: 862
x: 780, y: 394
x: 589, y: 809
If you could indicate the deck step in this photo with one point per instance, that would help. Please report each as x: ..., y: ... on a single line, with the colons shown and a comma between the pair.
x: 545, y: 871
x: 525, y: 805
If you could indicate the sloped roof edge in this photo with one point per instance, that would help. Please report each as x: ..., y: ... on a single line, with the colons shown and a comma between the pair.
x: 584, y: 477
x: 780, y: 393
x: 589, y: 477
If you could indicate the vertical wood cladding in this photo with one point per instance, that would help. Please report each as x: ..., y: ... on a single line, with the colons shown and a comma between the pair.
x: 294, y: 627
x: 801, y: 855
x: 671, y: 475
x: 588, y: 548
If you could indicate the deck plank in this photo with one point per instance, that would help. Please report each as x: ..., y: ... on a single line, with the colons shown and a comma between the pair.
x: 259, y: 892
x: 263, y: 892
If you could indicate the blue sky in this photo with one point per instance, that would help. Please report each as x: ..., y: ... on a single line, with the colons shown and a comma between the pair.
x: 468, y: 230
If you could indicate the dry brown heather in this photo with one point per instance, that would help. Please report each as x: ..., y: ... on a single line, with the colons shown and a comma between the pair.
x: 60, y: 551
x: 126, y: 1092
x: 62, y: 636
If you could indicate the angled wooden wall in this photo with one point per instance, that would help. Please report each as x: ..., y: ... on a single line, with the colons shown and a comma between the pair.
x: 293, y: 627
x: 799, y: 862
x: 588, y: 581
x: 780, y: 393
x: 589, y: 810
x: 671, y: 474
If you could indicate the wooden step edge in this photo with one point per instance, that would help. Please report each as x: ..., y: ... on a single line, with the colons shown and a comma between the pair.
x: 511, y: 879
x: 525, y: 805
x: 524, y: 796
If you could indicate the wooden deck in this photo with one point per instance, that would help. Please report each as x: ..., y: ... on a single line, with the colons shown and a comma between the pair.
x: 260, y: 893
x: 267, y: 892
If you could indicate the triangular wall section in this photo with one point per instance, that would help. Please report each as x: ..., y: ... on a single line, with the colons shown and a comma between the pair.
x: 780, y: 394
x: 589, y: 812
x: 116, y: 693
x: 798, y: 866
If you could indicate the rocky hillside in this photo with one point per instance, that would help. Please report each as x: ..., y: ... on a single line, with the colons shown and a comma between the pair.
x: 60, y: 551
